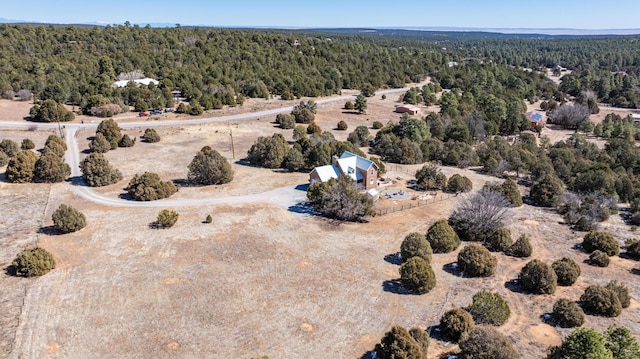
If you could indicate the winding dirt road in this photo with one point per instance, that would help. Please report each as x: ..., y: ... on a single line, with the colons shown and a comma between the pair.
x: 284, y: 196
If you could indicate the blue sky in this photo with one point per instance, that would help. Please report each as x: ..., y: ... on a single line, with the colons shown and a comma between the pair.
x: 614, y: 14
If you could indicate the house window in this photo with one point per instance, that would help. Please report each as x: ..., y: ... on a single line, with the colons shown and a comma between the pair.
x: 371, y: 181
x: 372, y: 171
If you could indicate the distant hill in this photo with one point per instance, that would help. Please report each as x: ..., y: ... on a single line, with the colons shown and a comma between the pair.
x: 458, y: 32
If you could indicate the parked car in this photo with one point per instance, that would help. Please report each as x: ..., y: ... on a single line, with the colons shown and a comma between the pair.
x: 169, y: 109
x: 143, y: 114
x: 156, y: 112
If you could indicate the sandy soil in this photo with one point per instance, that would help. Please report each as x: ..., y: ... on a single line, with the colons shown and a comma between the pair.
x: 259, y: 280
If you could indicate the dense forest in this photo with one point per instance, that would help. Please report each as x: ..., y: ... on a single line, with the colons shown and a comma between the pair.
x: 78, y: 65
x: 216, y: 67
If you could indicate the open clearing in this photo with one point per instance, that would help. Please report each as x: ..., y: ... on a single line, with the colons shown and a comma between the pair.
x: 259, y: 280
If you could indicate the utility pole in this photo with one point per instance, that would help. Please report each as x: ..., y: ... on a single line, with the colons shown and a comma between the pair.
x: 233, y: 150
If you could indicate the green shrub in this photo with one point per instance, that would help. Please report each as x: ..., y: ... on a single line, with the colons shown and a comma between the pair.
x: 286, y: 121
x: 511, y: 192
x: 602, y: 241
x: 110, y: 130
x: 538, y: 277
x: 377, y: 125
x: 50, y: 168
x: 458, y: 183
x: 422, y: 338
x: 522, y: 248
x: 55, y: 144
x: 4, y: 159
x: 33, y: 262
x: 399, y: 343
x: 417, y: 275
x: 166, y: 219
x: 314, y: 129
x: 476, y: 261
x: 633, y: 248
x: 99, y: 144
x: 622, y: 343
x: 67, y: 219
x: 500, y: 240
x: 10, y: 148
x: 599, y: 259
x: 348, y: 105
x: 486, y: 342
x: 442, y: 238
x: 567, y: 314
x: 621, y: 291
x: 268, y: 152
x: 489, y: 308
x: 21, y: 166
x: 148, y: 187
x: 415, y: 245
x: 567, y: 271
x: 27, y: 144
x: 98, y: 172
x: 209, y: 219
x: 342, y: 126
x: 430, y: 177
x: 598, y: 300
x: 456, y: 322
x: 151, y: 136
x: 126, y: 141
x: 209, y: 167
x: 581, y: 343
x: 546, y: 191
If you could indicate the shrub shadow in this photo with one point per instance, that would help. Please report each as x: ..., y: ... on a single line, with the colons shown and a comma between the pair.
x: 126, y: 196
x: 10, y: 270
x: 395, y: 286
x: 302, y: 187
x: 435, y: 333
x: 77, y: 181
x: 635, y: 271
x: 371, y: 354
x: 302, y: 208
x: 48, y: 230
x: 245, y: 162
x: 625, y: 255
x: 513, y: 286
x: 452, y: 268
x: 183, y: 182
x: 393, y: 258
x: 86, y: 151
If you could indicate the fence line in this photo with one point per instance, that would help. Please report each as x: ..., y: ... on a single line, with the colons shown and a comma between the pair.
x: 418, y: 203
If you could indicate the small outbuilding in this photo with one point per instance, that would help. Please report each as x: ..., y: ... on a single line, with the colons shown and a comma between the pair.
x: 535, y: 118
x: 410, y: 109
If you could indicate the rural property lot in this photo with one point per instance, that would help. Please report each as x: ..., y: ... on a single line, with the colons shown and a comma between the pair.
x: 259, y: 280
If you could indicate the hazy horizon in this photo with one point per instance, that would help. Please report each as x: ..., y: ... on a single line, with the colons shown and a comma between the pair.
x: 612, y: 17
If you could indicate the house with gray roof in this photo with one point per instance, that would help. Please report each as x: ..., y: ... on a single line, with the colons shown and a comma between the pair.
x: 364, y: 172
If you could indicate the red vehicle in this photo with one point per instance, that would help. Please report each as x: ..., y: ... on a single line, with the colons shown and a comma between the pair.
x: 143, y: 114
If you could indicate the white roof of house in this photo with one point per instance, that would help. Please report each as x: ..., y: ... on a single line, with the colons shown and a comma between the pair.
x: 145, y: 81
x: 635, y: 116
x: 327, y: 172
x: 350, y: 162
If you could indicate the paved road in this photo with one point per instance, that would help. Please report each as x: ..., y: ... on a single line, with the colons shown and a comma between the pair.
x: 284, y: 196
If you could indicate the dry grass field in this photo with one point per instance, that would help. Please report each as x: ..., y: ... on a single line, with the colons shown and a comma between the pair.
x: 260, y: 279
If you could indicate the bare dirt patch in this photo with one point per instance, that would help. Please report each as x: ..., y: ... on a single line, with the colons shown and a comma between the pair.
x: 260, y: 279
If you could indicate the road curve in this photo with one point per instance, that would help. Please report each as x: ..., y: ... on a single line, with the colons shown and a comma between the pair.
x: 284, y: 196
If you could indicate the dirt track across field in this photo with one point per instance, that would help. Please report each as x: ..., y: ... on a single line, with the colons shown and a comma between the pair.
x: 261, y: 279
